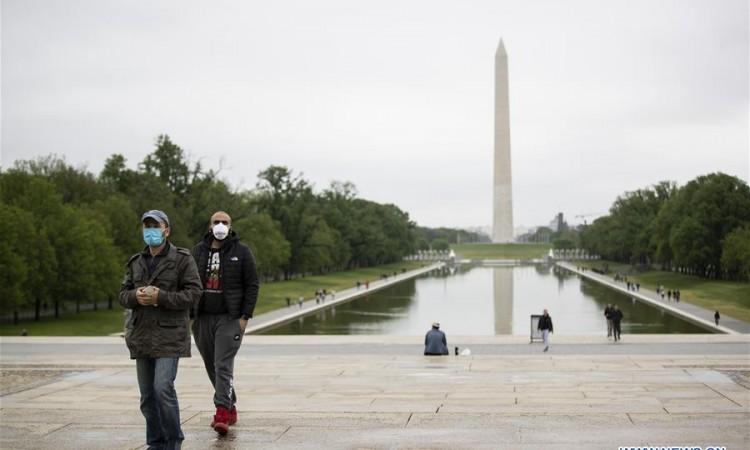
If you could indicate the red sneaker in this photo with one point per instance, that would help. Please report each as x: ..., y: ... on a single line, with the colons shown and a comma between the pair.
x: 221, y: 420
x: 232, y: 415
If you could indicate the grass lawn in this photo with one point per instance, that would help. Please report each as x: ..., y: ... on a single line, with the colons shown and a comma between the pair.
x: 729, y: 297
x: 501, y: 251
x: 88, y: 323
x: 272, y: 296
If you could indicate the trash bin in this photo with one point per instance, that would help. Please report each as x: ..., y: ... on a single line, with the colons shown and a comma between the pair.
x: 535, y: 333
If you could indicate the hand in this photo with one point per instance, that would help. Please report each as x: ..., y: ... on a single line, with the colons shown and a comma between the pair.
x: 243, y: 323
x: 154, y: 295
x: 147, y: 296
x: 143, y: 297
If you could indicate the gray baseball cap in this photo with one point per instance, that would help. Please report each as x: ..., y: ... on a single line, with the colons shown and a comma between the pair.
x: 157, y: 215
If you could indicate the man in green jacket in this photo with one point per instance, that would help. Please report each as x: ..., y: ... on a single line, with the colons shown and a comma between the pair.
x: 161, y: 286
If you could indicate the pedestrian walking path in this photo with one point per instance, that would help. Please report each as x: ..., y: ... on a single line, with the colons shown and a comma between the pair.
x: 66, y: 393
x: 279, y: 316
x: 686, y: 310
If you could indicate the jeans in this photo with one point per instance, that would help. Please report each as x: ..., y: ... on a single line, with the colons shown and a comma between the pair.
x: 159, y: 402
x: 545, y: 338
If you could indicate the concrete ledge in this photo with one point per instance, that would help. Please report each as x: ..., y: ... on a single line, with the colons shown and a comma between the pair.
x: 401, y: 340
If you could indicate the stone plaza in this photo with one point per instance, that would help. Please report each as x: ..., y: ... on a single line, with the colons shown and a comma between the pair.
x: 379, y: 392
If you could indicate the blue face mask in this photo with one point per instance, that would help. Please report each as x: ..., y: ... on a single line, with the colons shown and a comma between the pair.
x: 153, y: 237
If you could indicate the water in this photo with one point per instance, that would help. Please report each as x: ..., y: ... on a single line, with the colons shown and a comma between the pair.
x: 487, y: 301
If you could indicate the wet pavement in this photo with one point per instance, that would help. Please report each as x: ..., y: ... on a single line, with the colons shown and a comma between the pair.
x: 318, y: 392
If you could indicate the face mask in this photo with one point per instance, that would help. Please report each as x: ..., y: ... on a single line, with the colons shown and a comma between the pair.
x: 153, y: 237
x: 220, y: 231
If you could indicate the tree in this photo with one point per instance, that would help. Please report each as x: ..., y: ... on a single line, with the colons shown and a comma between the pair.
x: 73, y: 185
x: 563, y: 244
x: 693, y: 223
x: 440, y: 245
x: 625, y: 234
x: 14, y: 270
x: 168, y: 163
x: 84, y: 262
x: 264, y: 237
x: 735, y: 254
x: 115, y: 175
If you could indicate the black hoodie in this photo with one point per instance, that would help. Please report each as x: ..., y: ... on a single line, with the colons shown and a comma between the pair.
x: 237, y: 272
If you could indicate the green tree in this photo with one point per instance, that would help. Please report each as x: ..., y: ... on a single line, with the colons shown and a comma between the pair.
x: 14, y: 270
x: 270, y: 248
x: 693, y: 223
x: 76, y: 186
x: 115, y: 175
x: 735, y: 254
x: 440, y: 244
x: 563, y: 244
x: 168, y: 163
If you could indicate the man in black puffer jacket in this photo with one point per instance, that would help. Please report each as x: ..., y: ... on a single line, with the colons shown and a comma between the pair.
x: 230, y: 291
x: 545, y: 326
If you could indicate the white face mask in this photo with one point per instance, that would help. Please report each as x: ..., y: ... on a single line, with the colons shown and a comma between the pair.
x: 220, y: 231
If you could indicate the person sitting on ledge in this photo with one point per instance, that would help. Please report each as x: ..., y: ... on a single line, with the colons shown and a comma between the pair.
x: 435, y: 343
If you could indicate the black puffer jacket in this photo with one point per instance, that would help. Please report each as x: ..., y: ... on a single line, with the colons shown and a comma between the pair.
x: 237, y: 271
x: 545, y: 323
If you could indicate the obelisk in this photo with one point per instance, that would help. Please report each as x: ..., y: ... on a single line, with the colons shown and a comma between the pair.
x: 502, y: 201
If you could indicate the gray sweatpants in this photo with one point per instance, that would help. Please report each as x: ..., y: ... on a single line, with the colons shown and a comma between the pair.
x: 218, y: 338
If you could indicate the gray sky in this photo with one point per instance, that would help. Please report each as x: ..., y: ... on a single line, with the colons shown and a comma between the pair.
x: 395, y: 96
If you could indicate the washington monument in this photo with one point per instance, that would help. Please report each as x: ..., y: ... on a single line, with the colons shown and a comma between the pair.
x: 502, y: 201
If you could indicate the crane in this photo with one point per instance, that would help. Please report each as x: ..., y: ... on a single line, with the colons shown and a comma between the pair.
x: 584, y: 215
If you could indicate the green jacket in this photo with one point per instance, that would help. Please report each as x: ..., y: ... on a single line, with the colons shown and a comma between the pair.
x: 162, y: 330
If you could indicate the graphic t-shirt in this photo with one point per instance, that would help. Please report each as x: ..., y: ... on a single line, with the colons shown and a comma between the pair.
x: 213, y: 294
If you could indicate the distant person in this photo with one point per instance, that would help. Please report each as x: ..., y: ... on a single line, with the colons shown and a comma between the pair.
x: 637, y: 287
x: 617, y: 316
x: 367, y: 284
x: 288, y: 302
x: 435, y: 343
x: 717, y: 316
x: 161, y: 286
x: 669, y: 295
x: 300, y: 301
x: 545, y: 325
x: 608, y: 316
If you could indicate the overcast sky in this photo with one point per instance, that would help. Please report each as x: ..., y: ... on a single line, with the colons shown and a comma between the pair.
x: 395, y: 96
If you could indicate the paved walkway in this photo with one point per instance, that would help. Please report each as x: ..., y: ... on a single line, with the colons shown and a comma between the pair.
x: 309, y: 398
x: 689, y: 311
x: 279, y: 316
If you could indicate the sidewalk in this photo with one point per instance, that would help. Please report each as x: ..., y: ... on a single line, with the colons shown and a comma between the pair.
x: 684, y: 309
x: 84, y: 395
x: 279, y: 316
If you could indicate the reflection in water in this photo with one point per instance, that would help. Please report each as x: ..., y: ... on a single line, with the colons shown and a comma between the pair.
x: 485, y: 301
x: 502, y: 290
x: 366, y: 315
